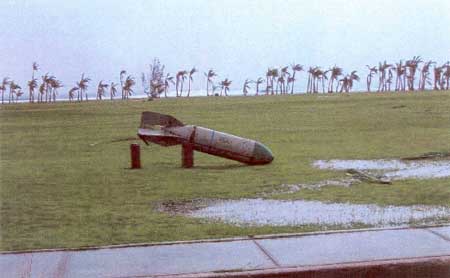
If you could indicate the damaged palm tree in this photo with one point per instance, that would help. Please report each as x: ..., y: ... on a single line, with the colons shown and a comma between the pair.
x: 372, y: 71
x: 156, y: 80
x: 295, y: 68
x: 425, y: 75
x: 246, y: 86
x: 412, y: 66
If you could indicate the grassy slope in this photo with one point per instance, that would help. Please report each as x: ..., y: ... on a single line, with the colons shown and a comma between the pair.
x: 58, y: 191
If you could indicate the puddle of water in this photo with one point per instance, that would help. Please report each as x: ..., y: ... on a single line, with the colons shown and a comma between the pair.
x: 392, y: 169
x: 260, y: 212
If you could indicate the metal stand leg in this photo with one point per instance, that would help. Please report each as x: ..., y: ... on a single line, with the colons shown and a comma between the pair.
x: 135, y: 151
x: 187, y: 155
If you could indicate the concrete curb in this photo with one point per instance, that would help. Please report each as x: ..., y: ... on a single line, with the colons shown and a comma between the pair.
x: 250, y: 237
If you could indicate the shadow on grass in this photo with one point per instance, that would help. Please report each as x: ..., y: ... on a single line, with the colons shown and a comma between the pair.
x: 220, y: 167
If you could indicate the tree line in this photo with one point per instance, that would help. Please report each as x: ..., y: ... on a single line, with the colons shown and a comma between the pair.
x: 410, y: 75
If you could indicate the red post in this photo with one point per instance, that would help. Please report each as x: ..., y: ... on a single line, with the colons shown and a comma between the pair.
x: 187, y: 155
x: 135, y: 151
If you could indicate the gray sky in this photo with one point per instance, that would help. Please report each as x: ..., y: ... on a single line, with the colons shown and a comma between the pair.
x: 238, y: 38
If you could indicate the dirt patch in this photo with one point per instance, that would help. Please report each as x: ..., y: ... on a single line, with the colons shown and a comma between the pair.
x: 183, y: 207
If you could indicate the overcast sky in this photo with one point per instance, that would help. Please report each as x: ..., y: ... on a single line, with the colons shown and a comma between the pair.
x: 238, y: 38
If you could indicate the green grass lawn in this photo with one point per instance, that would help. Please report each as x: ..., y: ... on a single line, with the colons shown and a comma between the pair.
x: 59, y: 191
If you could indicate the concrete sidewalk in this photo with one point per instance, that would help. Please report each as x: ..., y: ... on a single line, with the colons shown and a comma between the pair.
x: 259, y: 256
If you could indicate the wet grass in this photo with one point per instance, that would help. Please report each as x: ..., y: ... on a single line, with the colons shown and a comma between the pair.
x: 59, y: 191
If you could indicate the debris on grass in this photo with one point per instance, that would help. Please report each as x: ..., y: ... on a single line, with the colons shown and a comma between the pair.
x: 184, y: 206
x: 367, y: 177
x: 430, y: 155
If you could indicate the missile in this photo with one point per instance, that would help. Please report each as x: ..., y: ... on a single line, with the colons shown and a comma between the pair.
x: 166, y: 130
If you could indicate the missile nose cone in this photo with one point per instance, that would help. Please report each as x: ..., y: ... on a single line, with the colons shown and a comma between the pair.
x: 262, y: 154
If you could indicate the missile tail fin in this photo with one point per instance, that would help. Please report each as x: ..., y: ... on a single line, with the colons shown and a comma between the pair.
x: 152, y: 129
x: 150, y: 119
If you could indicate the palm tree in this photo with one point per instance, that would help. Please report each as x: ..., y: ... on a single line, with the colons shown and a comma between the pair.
x: 372, y: 71
x: 35, y: 67
x: 3, y: 85
x: 55, y: 85
x: 72, y: 93
x: 400, y: 71
x: 12, y: 90
x: 112, y: 90
x: 193, y: 70
x: 44, y: 87
x: 335, y: 73
x: 347, y: 81
x: 295, y: 68
x: 41, y: 92
x: 122, y: 75
x: 344, y: 83
x: 225, y: 84
x: 181, y: 76
x: 274, y: 76
x: 268, y: 78
x: 310, y: 81
x: 382, y: 67
x: 246, y: 86
x: 101, y: 90
x: 438, y: 84
x: 209, y: 76
x: 289, y: 83
x: 389, y: 79
x: 258, y: 82
x: 412, y: 65
x: 167, y: 81
x: 446, y: 75
x: 32, y: 85
x: 315, y: 75
x: 322, y: 77
x: 128, y: 86
x: 284, y: 74
x: 353, y: 77
x: 425, y: 75
x: 280, y: 84
x: 19, y: 93
x: 83, y: 85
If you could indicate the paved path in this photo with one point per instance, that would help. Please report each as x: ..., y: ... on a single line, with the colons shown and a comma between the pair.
x: 222, y: 257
